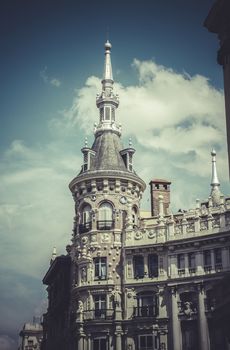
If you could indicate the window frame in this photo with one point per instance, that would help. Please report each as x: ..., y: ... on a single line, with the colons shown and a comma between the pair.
x: 100, y: 263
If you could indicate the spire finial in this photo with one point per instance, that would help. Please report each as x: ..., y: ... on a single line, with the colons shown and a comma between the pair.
x: 86, y: 141
x: 108, y: 73
x: 214, y: 181
x: 130, y: 142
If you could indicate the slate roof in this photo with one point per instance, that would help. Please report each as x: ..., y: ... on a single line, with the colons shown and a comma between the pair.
x: 107, y: 146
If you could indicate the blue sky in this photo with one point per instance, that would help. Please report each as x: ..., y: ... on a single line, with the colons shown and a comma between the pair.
x: 171, y: 104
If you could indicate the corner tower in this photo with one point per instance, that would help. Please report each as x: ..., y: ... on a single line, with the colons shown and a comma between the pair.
x: 107, y: 194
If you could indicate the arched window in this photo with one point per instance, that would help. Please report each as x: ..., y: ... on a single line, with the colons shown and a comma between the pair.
x: 105, y: 216
x: 85, y: 224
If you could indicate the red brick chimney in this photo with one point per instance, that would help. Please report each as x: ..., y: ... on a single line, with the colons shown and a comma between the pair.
x: 159, y: 187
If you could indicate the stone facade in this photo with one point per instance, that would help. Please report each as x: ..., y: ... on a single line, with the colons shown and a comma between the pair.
x: 133, y: 283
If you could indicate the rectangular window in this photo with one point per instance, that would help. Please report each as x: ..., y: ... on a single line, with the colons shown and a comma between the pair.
x: 191, y: 260
x: 180, y: 261
x: 138, y: 262
x: 100, y: 268
x: 100, y: 306
x: 207, y: 258
x: 146, y: 342
x: 218, y: 257
x: 153, y: 265
x: 99, y: 344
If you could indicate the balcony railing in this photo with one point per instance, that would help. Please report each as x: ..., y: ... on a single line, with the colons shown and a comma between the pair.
x: 207, y: 268
x: 192, y: 270
x: 105, y: 225
x: 181, y: 272
x: 218, y: 267
x: 145, y: 311
x: 85, y: 227
x: 100, y: 314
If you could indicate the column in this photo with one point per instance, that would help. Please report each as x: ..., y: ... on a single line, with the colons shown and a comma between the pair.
x: 118, y: 337
x: 199, y: 263
x: 186, y: 264
x: 89, y: 342
x: 175, y: 321
x: 146, y: 270
x: 225, y: 258
x: 173, y: 265
x: 213, y: 260
x: 203, y: 324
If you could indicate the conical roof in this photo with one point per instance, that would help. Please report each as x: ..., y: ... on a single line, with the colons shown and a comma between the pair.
x: 107, y: 147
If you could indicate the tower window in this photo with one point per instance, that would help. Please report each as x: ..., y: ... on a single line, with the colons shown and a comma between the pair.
x: 101, y: 113
x: 113, y: 114
x: 107, y: 113
x: 100, y: 268
x: 138, y: 262
x: 85, y: 224
x: 105, y: 217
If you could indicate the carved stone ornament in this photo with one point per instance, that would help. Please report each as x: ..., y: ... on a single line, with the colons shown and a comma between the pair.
x: 84, y: 240
x: 152, y: 233
x: 105, y: 238
x: 93, y: 197
x: 131, y: 293
x: 138, y: 235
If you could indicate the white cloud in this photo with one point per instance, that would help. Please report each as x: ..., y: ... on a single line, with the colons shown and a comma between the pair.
x: 49, y: 80
x: 166, y: 112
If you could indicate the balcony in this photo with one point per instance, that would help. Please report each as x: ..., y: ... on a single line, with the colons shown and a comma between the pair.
x: 181, y: 272
x: 104, y: 225
x: 218, y: 267
x: 146, y: 311
x: 192, y: 270
x: 85, y: 227
x: 100, y: 314
x: 207, y: 268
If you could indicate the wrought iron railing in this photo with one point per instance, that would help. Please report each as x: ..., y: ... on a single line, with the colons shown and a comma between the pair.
x: 85, y: 227
x: 146, y: 311
x: 99, y: 314
x: 105, y: 224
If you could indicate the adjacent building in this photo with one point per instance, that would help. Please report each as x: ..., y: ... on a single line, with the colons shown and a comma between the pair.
x: 130, y: 282
x: 31, y: 336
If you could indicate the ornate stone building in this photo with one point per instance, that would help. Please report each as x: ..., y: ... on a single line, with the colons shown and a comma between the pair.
x: 133, y: 283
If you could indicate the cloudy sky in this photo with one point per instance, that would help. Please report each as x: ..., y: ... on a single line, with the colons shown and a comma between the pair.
x: 171, y: 104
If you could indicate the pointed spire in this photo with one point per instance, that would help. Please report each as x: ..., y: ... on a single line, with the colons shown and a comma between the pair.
x: 108, y: 73
x: 107, y: 101
x: 214, y: 181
